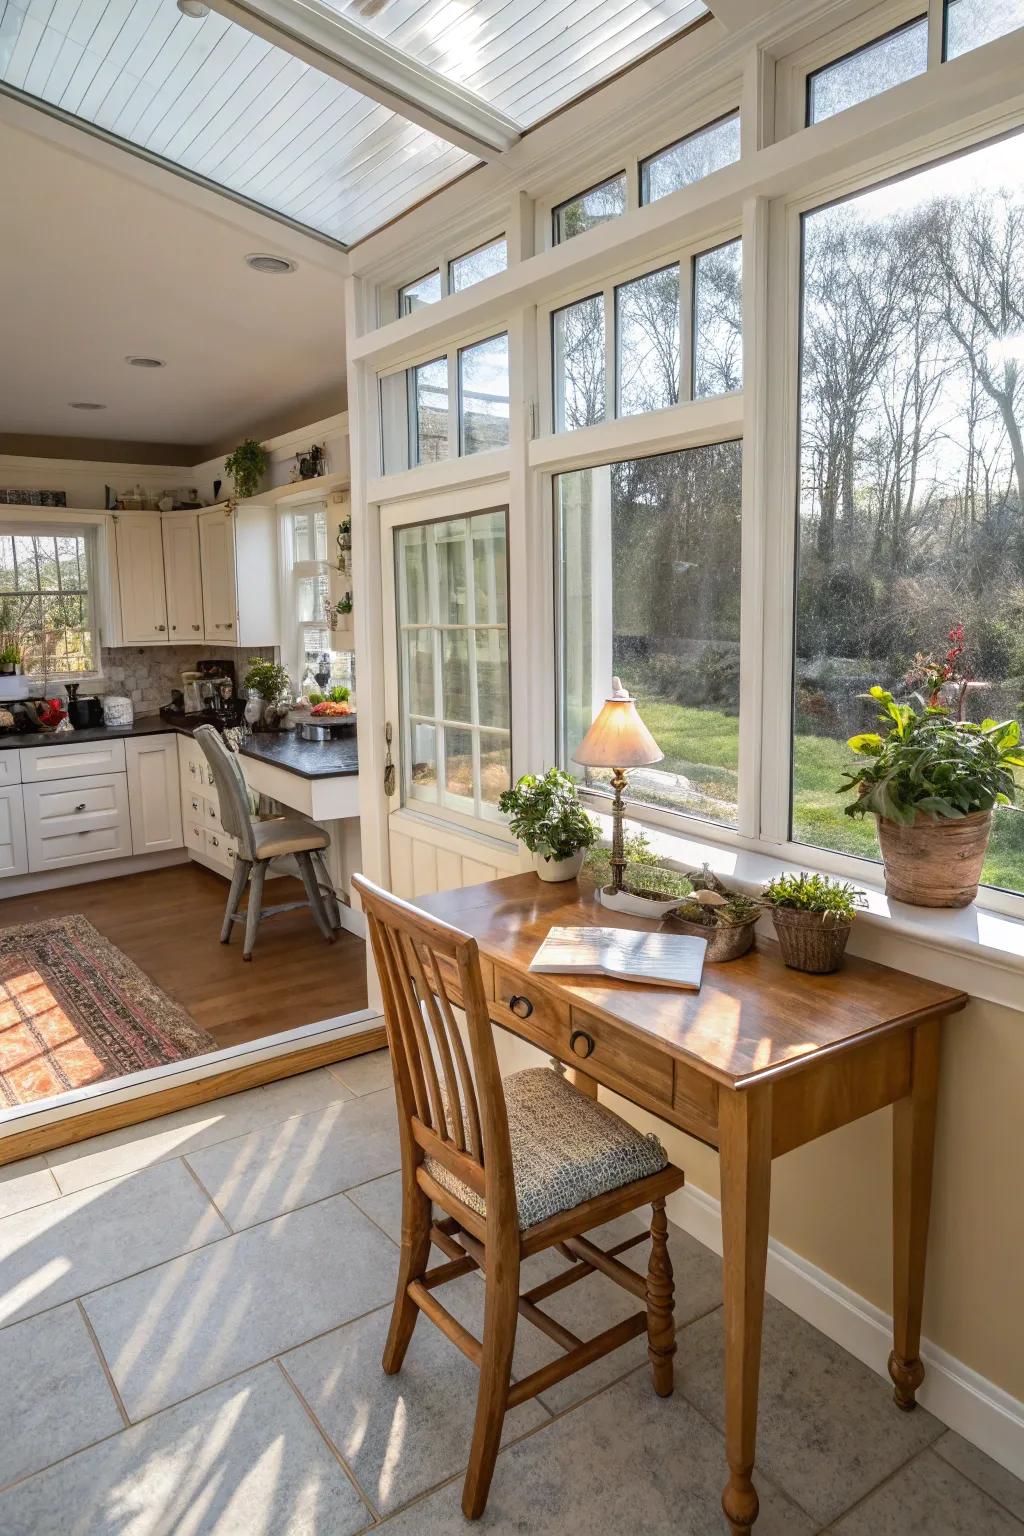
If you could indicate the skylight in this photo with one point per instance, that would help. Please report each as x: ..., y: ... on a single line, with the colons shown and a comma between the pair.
x: 215, y: 101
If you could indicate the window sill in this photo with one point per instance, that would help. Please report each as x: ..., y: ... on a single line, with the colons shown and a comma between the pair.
x: 973, y: 948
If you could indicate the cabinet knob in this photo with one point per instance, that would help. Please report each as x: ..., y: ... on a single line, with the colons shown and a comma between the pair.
x: 161, y: 627
x: 80, y: 807
x: 174, y: 626
x: 520, y: 1006
x: 580, y: 1043
x: 196, y: 626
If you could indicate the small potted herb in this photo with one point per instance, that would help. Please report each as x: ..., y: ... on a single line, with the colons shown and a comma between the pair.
x: 650, y: 888
x: 247, y: 466
x: 10, y: 659
x: 548, y: 819
x: 725, y: 918
x: 269, y: 682
x: 813, y: 916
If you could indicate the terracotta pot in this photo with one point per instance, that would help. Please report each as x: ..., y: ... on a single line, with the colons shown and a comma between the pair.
x: 810, y: 941
x: 559, y: 869
x: 934, y: 863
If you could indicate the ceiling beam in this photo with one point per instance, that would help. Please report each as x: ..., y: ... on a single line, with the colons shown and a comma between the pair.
x: 320, y: 37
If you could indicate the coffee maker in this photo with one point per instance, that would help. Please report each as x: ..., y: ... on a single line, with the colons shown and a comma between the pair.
x: 208, y: 694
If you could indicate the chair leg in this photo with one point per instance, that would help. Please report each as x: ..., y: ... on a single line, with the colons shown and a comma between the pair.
x: 661, y: 1333
x: 412, y: 1265
x: 501, y: 1308
x: 252, y: 915
x: 327, y: 890
x: 239, y: 876
x: 313, y: 895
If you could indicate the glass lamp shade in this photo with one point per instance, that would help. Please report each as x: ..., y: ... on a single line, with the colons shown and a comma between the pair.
x: 618, y: 737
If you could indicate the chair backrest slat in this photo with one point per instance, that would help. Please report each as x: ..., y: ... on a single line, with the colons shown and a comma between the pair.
x: 474, y: 1144
x: 442, y: 1045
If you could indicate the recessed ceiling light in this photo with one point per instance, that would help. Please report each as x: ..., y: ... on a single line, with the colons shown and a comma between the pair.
x: 145, y: 362
x: 195, y: 9
x: 86, y: 405
x: 270, y: 264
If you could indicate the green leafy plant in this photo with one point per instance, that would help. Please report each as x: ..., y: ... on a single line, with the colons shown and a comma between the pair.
x: 714, y: 905
x: 833, y: 900
x: 928, y: 763
x: 247, y: 466
x: 266, y: 678
x: 338, y: 695
x: 10, y: 655
x: 546, y: 815
x: 644, y: 874
x: 315, y: 696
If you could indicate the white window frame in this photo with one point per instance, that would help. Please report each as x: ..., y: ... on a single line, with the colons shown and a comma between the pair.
x: 390, y: 295
x: 53, y: 524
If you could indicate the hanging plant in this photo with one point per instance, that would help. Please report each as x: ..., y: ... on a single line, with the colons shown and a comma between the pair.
x: 247, y: 466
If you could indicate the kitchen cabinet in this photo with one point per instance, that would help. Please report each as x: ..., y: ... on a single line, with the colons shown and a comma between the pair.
x: 140, y: 570
x: 182, y: 576
x: 77, y: 821
x: 217, y: 563
x: 13, y: 844
x: 154, y: 796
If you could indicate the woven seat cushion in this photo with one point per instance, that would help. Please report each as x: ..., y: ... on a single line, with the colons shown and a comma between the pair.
x: 287, y: 834
x: 566, y: 1148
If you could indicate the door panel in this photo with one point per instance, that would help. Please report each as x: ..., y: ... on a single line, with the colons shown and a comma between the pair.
x: 140, y: 573
x: 180, y: 532
x: 217, y: 558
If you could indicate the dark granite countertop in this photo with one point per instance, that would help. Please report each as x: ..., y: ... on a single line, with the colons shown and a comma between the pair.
x: 310, y: 759
x: 146, y: 725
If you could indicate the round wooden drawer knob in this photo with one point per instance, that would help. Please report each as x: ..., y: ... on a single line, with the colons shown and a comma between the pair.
x: 580, y: 1043
x: 520, y: 1006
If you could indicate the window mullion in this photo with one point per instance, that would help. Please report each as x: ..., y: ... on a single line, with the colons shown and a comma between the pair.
x: 610, y: 373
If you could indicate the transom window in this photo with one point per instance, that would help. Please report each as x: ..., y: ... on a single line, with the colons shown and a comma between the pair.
x: 589, y: 209
x: 691, y: 159
x: 425, y: 290
x: 969, y: 23
x: 866, y: 72
x: 486, y: 261
x: 46, y: 601
x: 450, y: 405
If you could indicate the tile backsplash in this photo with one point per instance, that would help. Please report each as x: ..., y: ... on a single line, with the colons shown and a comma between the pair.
x: 148, y: 673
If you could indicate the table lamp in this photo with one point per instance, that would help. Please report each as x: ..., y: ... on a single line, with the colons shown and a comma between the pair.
x: 618, y: 739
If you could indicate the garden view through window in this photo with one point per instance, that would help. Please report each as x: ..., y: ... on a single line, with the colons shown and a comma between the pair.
x: 45, y: 605
x: 911, y: 468
x: 649, y: 590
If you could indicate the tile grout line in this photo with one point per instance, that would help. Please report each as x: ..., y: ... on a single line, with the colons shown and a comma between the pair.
x: 108, y: 1373
x: 335, y: 1451
x: 231, y: 1232
x: 80, y: 1451
x: 980, y: 1487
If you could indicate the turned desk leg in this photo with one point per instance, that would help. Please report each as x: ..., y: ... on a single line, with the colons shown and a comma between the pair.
x: 744, y: 1129
x: 913, y: 1144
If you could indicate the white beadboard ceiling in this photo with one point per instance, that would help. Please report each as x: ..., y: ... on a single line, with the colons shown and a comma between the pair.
x: 209, y: 97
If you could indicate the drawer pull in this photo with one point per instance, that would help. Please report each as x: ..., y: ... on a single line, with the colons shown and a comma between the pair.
x: 80, y: 807
x: 520, y: 1006
x: 581, y: 1044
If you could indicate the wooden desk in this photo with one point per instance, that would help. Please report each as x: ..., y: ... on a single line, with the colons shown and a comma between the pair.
x: 761, y: 1060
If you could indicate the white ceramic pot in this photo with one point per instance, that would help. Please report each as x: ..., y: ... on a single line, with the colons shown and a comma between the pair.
x: 639, y: 906
x: 559, y: 869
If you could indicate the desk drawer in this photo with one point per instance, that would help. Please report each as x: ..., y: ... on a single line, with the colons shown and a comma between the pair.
x: 450, y: 976
x: 617, y: 1059
x: 537, y: 1016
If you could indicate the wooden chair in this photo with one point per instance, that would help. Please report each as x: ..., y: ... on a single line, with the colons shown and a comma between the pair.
x: 517, y: 1166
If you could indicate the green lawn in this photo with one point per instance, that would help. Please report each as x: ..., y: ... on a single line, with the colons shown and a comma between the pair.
x: 703, y: 744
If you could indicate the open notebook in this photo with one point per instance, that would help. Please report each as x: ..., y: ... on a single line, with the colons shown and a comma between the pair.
x: 626, y: 954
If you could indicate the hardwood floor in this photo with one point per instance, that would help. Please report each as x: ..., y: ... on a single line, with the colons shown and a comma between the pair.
x: 168, y: 921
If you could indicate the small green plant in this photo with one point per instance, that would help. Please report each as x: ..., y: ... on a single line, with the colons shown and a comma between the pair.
x: 714, y: 905
x: 345, y: 603
x: 644, y: 874
x: 315, y: 696
x: 10, y: 655
x: 266, y: 678
x: 545, y: 814
x: 338, y: 695
x: 833, y: 900
x: 247, y: 466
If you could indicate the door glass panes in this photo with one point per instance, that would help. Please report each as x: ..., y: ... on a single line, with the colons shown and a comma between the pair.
x: 430, y: 411
x: 911, y: 510
x: 649, y: 590
x: 647, y: 342
x: 718, y: 321
x: 887, y: 61
x: 691, y: 159
x: 578, y: 360
x: 451, y: 579
x: 483, y: 395
x: 426, y: 290
x: 589, y: 209
x: 969, y: 23
x: 472, y: 268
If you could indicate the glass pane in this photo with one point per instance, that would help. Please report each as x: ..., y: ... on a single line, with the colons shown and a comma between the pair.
x: 483, y: 395
x: 316, y: 648
x: 422, y: 760
x: 590, y: 209
x: 650, y: 591
x: 431, y: 395
x: 413, y: 589
x: 911, y: 491
x: 969, y: 23
x: 578, y: 354
x: 490, y: 573
x: 458, y: 765
x: 476, y: 265
x: 427, y: 290
x: 313, y: 594
x: 310, y: 531
x: 26, y: 576
x: 691, y: 159
x: 492, y: 676
x: 452, y: 577
x: 8, y: 579
x: 495, y: 766
x: 886, y: 62
x: 46, y: 555
x: 647, y: 335
x: 718, y: 321
x: 455, y: 679
x: 419, y: 672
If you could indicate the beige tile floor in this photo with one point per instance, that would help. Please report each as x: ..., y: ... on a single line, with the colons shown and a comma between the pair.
x: 191, y: 1322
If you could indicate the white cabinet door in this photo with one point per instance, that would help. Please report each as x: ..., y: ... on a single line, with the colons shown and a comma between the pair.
x: 180, y: 532
x: 77, y: 821
x: 154, y: 793
x: 13, y: 847
x: 217, y: 560
x: 140, y: 576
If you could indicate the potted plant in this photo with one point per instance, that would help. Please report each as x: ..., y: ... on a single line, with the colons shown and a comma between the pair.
x: 547, y: 817
x: 650, y: 888
x: 10, y: 658
x: 247, y: 466
x: 813, y: 916
x: 725, y: 918
x: 269, y: 682
x: 931, y: 781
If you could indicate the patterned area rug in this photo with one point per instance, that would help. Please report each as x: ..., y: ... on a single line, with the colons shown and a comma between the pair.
x: 75, y: 1010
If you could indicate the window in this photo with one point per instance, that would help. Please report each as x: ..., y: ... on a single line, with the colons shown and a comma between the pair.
x: 472, y: 268
x: 718, y: 321
x: 589, y: 209
x: 969, y: 23
x: 691, y: 159
x: 313, y: 645
x: 46, y: 601
x: 452, y: 588
x: 647, y: 342
x: 911, y: 514
x: 426, y: 290
x: 483, y: 396
x: 649, y: 589
x: 884, y: 62
x: 429, y: 412
x: 578, y: 358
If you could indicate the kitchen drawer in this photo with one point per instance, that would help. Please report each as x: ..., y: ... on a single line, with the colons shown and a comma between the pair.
x: 44, y: 765
x: 213, y: 815
x: 77, y: 821
x: 195, y: 836
x: 193, y: 807
x: 10, y: 767
x: 537, y: 1016
x: 219, y: 846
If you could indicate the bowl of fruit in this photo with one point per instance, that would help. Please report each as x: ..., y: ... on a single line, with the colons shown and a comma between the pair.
x: 329, y: 714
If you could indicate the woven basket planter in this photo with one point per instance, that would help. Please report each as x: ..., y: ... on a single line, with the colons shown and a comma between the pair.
x: 810, y: 941
x: 725, y: 943
x: 935, y: 863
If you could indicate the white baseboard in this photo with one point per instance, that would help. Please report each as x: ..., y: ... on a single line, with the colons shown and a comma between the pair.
x: 87, y: 874
x: 975, y: 1407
